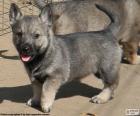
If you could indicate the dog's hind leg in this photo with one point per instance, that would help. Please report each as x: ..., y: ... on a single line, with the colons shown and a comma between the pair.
x: 110, y: 79
x: 105, y: 95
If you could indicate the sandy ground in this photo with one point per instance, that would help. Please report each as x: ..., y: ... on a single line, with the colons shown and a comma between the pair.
x: 73, y: 99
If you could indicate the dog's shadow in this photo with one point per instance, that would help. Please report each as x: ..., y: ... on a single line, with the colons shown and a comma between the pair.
x: 16, y: 94
x: 8, y: 57
x: 21, y: 94
x: 76, y: 88
x: 139, y: 51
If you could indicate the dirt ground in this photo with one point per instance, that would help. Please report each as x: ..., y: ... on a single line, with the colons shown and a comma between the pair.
x: 73, y: 99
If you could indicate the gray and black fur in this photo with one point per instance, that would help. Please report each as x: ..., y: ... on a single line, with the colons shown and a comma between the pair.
x: 56, y: 60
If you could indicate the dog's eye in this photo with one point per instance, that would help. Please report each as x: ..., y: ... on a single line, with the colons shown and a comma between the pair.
x: 36, y: 36
x: 19, y: 34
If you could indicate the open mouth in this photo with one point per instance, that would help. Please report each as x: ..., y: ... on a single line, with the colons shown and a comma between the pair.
x: 25, y: 58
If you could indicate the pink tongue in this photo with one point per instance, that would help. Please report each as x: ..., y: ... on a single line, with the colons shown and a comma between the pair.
x: 25, y: 58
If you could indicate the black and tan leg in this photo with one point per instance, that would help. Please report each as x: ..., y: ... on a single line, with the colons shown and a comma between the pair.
x: 130, y: 52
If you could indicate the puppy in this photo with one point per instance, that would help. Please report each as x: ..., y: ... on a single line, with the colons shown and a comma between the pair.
x: 52, y: 60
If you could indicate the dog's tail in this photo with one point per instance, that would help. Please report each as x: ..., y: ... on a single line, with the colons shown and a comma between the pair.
x: 114, y: 26
x: 39, y: 3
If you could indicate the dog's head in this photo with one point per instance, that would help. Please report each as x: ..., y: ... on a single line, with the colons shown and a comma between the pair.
x: 31, y: 34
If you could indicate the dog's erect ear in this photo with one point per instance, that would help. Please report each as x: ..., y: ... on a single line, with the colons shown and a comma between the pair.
x: 14, y: 13
x: 46, y: 15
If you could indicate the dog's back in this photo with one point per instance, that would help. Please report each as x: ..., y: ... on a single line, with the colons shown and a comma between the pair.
x: 90, y: 49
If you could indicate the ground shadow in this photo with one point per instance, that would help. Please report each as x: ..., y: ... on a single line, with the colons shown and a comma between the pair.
x: 8, y: 57
x: 124, y: 61
x: 139, y: 51
x: 76, y: 88
x: 22, y: 93
x: 16, y: 94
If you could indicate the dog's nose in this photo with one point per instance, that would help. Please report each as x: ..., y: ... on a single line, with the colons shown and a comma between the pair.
x: 26, y: 48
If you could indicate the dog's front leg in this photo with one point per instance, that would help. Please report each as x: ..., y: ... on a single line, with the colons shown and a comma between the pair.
x: 35, y: 100
x: 49, y: 90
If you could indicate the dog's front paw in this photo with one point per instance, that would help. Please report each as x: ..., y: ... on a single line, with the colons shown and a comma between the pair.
x: 45, y: 108
x: 33, y: 103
